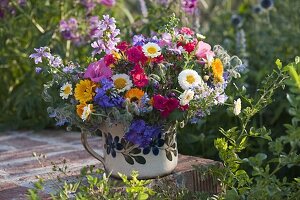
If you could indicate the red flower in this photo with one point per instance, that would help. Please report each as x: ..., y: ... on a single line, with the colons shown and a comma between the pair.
x: 187, y: 31
x: 109, y: 59
x: 139, y: 77
x: 184, y: 108
x: 165, y: 105
x: 136, y: 55
x: 123, y: 46
x: 189, y: 47
x: 158, y: 59
x: 159, y: 101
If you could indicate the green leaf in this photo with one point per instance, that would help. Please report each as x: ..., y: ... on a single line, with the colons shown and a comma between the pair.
x: 232, y: 194
x: 142, y: 196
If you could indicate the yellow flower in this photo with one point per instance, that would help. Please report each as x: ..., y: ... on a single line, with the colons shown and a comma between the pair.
x: 116, y: 55
x: 84, y: 91
x: 134, y: 94
x: 217, y: 69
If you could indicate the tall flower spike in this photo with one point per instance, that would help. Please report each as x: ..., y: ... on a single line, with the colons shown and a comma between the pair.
x: 105, y: 34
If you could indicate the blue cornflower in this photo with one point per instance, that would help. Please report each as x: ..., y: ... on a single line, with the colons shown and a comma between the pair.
x: 106, y: 97
x: 141, y: 134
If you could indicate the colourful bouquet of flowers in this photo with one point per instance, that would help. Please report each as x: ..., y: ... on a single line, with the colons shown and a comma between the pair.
x: 148, y: 84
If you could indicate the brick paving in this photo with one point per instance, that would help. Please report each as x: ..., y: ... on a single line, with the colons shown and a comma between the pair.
x: 19, y: 169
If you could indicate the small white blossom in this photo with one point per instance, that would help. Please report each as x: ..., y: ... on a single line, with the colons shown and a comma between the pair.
x: 186, y: 97
x: 237, y: 107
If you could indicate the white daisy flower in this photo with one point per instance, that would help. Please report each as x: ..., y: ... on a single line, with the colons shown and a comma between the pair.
x: 237, y: 107
x: 186, y: 97
x: 151, y: 50
x: 189, y: 78
x: 87, y: 110
x: 66, y: 90
x: 122, y: 82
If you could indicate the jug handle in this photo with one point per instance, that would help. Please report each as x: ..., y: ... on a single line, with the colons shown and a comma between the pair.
x: 87, y: 147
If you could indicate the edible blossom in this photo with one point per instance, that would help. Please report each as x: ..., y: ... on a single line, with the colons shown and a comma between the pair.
x: 217, y: 69
x: 122, y: 82
x: 237, y: 106
x: 186, y: 97
x: 87, y: 110
x: 151, y: 50
x: 189, y: 78
x: 84, y: 90
x: 66, y: 90
x: 134, y: 94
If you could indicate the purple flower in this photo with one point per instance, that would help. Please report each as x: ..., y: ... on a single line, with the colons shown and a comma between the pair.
x: 94, y: 23
x: 88, y: 4
x: 138, y: 40
x: 108, y: 3
x: 69, y: 29
x: 38, y: 70
x: 220, y: 99
x: 141, y: 134
x: 55, y: 61
x: 42, y: 52
x: 189, y: 6
x: 106, y: 97
x: 105, y: 34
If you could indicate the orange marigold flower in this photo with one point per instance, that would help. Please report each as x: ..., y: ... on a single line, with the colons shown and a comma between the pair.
x: 134, y: 94
x: 217, y: 69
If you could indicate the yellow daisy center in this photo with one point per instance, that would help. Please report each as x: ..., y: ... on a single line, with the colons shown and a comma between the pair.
x: 151, y: 50
x: 67, y: 90
x: 120, y: 83
x: 190, y: 79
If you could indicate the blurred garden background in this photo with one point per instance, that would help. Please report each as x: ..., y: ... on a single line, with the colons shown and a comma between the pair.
x: 257, y: 31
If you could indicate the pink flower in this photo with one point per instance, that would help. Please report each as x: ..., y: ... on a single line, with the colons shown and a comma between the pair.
x: 139, y: 77
x: 165, y: 105
x: 108, y: 2
x: 98, y: 70
x: 203, y: 50
x: 187, y: 31
x: 136, y: 55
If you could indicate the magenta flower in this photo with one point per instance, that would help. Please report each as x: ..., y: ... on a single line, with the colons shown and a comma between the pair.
x: 189, y: 6
x: 165, y: 105
x: 108, y: 3
x: 97, y: 71
x: 203, y: 50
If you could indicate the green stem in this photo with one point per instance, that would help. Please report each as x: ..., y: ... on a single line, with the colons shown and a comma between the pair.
x: 33, y: 21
